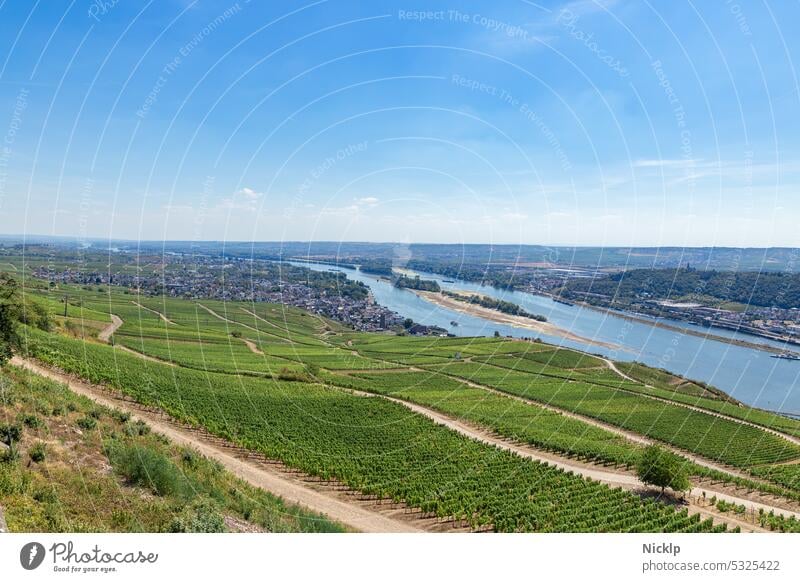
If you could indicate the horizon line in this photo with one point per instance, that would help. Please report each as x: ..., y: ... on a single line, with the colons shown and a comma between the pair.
x: 329, y: 241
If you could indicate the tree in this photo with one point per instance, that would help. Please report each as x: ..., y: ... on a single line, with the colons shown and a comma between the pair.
x: 663, y: 469
x: 9, y: 314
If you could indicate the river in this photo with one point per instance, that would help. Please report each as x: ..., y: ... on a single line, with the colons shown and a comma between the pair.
x: 749, y: 375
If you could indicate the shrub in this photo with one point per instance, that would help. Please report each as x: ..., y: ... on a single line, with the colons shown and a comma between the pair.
x: 31, y: 421
x: 189, y: 457
x: 10, y: 434
x: 38, y: 452
x: 120, y: 416
x: 138, y: 428
x: 45, y: 495
x: 148, y: 468
x: 86, y: 423
x: 199, y: 518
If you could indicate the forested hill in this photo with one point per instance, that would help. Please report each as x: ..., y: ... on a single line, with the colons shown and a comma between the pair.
x: 759, y: 289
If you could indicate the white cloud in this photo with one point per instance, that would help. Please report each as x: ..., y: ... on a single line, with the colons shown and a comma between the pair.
x: 664, y: 163
x: 367, y: 201
x: 244, y: 199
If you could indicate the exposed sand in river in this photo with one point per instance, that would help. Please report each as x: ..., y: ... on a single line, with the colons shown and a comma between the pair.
x: 506, y: 319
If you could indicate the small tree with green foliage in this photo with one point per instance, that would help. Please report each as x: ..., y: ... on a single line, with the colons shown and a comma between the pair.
x: 663, y: 469
x: 9, y: 315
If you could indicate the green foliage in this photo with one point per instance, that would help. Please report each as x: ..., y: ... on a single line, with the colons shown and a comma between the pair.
x: 138, y: 428
x: 38, y: 452
x: 663, y: 469
x: 35, y: 314
x: 9, y: 310
x: 496, y: 304
x: 10, y: 434
x: 70, y: 496
x: 749, y: 287
x: 416, y: 283
x: 147, y: 468
x: 86, y: 423
x: 31, y: 420
x: 334, y: 435
x: 201, y: 517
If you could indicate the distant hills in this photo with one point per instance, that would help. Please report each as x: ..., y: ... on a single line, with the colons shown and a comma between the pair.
x: 774, y: 259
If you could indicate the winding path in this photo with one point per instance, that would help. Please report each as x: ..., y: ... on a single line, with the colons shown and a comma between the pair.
x: 163, y: 317
x: 363, y: 519
x: 259, y: 475
x: 106, y: 333
x: 615, y: 478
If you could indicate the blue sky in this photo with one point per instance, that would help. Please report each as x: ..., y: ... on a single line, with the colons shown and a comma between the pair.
x: 592, y: 123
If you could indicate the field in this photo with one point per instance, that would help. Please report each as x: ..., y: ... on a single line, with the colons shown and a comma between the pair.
x: 278, y: 380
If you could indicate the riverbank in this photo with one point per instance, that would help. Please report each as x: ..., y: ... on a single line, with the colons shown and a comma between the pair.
x: 678, y: 329
x: 505, y: 319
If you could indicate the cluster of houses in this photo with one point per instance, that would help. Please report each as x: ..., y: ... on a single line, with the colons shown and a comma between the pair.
x: 237, y: 282
x: 770, y: 322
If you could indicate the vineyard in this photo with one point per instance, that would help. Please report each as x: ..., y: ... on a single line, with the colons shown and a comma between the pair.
x: 374, y: 446
x: 271, y: 378
x: 712, y: 437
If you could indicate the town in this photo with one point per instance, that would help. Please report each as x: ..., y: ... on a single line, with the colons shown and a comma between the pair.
x: 328, y: 294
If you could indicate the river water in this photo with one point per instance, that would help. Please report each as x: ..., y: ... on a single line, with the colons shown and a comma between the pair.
x: 749, y: 375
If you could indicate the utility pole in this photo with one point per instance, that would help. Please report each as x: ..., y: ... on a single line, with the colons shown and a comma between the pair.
x: 66, y: 301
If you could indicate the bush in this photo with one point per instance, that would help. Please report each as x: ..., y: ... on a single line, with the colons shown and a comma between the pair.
x: 148, y: 468
x: 189, y: 457
x: 86, y: 423
x: 138, y: 428
x: 199, y: 518
x: 38, y: 452
x: 31, y: 421
x: 120, y: 416
x: 10, y: 434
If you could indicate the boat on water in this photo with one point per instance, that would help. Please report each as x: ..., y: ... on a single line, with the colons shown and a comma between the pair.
x: 786, y: 356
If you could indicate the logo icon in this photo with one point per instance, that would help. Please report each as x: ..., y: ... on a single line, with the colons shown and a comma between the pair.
x: 31, y: 555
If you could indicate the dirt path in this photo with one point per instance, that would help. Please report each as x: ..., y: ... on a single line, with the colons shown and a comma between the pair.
x: 253, y: 347
x: 260, y: 476
x: 106, y: 333
x: 259, y: 318
x: 234, y: 322
x: 348, y: 513
x: 163, y: 317
x: 626, y: 434
x: 143, y: 356
x: 610, y: 477
x: 612, y: 366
